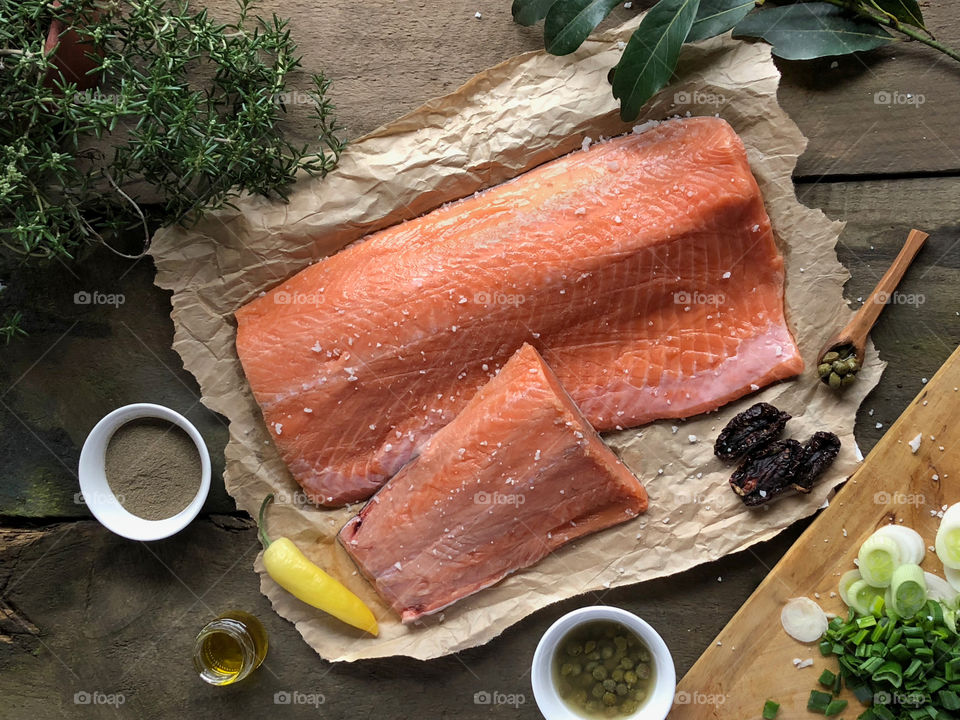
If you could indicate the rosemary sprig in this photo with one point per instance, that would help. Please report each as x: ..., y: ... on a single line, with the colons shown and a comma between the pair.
x: 187, y: 115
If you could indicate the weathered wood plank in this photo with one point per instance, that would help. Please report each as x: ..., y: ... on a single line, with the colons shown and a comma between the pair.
x: 80, y: 361
x: 921, y: 326
x: 100, y: 614
x: 401, y: 54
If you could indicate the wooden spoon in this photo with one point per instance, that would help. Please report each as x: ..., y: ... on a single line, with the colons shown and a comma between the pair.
x: 851, y: 341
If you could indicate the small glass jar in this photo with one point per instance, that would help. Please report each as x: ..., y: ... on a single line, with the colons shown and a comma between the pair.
x: 229, y: 648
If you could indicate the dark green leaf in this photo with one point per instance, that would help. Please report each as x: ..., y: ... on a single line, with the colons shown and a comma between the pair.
x: 651, y: 55
x: 570, y: 22
x: 907, y: 11
x: 715, y: 17
x: 530, y: 12
x: 811, y: 30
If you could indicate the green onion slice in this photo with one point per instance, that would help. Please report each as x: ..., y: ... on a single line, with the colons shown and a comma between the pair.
x: 879, y: 556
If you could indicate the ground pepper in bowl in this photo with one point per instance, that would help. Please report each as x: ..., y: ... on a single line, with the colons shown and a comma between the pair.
x: 153, y: 467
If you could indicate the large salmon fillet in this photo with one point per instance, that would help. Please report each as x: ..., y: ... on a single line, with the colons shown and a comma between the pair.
x: 644, y: 270
x: 518, y: 473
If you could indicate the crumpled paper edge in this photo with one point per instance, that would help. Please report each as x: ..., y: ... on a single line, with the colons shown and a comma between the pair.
x: 523, y: 112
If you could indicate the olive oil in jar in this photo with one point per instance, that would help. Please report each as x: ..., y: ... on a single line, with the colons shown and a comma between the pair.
x: 601, y: 669
x: 230, y: 648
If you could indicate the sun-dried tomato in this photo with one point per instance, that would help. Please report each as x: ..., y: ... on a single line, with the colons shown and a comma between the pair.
x: 767, y: 472
x: 750, y: 430
x: 819, y: 452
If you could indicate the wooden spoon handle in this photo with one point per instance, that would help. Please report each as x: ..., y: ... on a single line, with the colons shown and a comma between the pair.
x: 860, y: 324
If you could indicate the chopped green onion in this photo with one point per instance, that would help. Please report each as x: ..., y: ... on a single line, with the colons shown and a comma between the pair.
x: 949, y: 699
x: 818, y: 702
x: 890, y: 672
x: 826, y: 678
x: 898, y: 649
x: 863, y: 693
x: 913, y: 668
x: 770, y: 709
x: 835, y: 707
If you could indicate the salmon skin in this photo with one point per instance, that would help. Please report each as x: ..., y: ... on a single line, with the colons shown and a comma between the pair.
x: 518, y: 473
x: 644, y: 270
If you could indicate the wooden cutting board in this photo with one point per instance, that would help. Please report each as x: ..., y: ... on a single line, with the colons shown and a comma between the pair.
x: 751, y: 660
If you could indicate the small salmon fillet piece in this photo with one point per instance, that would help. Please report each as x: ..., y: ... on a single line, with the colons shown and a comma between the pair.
x: 518, y: 473
x: 644, y: 270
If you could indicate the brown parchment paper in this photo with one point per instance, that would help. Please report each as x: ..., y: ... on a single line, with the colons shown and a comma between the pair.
x: 508, y: 119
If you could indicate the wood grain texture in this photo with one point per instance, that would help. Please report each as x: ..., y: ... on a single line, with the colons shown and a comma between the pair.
x: 85, y: 611
x: 79, y: 607
x: 888, y: 111
x: 751, y: 659
x: 854, y: 333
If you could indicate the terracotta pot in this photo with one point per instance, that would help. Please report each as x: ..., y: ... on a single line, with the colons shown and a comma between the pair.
x: 71, y: 57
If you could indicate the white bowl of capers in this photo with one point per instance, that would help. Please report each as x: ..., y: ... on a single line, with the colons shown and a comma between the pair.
x: 603, y: 662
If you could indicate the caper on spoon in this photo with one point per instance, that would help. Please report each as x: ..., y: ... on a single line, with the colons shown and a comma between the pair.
x: 842, y: 355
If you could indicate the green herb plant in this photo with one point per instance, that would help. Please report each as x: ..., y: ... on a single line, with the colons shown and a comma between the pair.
x: 186, y: 115
x: 797, y: 31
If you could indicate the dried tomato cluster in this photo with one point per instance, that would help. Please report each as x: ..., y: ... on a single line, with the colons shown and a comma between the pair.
x: 770, y: 466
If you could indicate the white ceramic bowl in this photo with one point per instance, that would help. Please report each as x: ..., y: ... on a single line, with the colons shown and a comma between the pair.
x: 659, y: 700
x: 100, y: 498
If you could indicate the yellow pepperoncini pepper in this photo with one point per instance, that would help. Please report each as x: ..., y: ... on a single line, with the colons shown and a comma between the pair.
x: 294, y: 572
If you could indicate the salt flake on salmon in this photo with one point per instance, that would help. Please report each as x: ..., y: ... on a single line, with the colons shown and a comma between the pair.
x: 674, y: 310
x: 463, y: 515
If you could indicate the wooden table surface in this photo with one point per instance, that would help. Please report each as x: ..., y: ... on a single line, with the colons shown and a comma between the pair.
x: 84, y: 611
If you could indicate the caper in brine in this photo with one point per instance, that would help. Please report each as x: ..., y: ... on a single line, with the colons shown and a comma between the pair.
x: 607, y: 652
x: 627, y: 663
x: 600, y: 673
x: 589, y: 646
x: 621, y: 642
x: 617, y: 674
x: 643, y: 671
x: 598, y: 691
x: 575, y: 669
x: 622, y: 689
x: 630, y: 677
x: 609, y: 699
x: 566, y: 669
x: 629, y: 707
x: 610, y: 684
x: 574, y: 649
x: 591, y: 665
